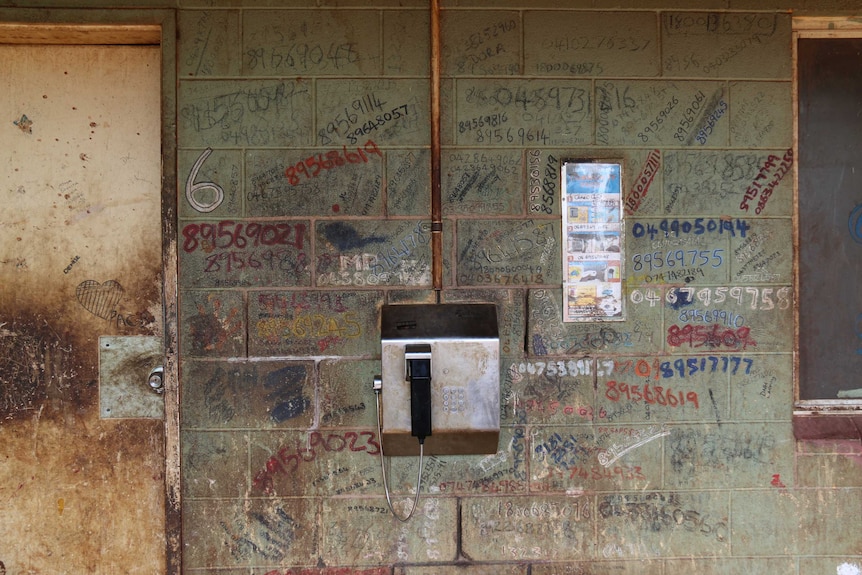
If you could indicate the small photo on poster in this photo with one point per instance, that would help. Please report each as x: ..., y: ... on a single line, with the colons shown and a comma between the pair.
x: 610, y: 300
x: 607, y: 211
x: 579, y: 212
x: 592, y: 178
x: 581, y: 300
x: 593, y: 243
x: 595, y: 209
x: 595, y: 300
x: 587, y: 271
x: 612, y: 272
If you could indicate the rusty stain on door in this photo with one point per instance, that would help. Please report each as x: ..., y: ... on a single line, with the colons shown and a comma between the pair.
x: 80, y: 258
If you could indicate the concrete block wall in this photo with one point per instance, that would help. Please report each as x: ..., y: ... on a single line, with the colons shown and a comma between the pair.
x: 304, y: 170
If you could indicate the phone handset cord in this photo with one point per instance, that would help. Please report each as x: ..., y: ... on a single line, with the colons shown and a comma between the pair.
x: 383, y: 466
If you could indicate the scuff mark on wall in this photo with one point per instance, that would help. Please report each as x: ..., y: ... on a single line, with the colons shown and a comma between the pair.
x: 37, y: 365
x: 24, y: 124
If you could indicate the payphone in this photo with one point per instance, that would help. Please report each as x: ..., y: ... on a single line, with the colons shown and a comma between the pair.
x: 439, y: 388
x: 440, y: 379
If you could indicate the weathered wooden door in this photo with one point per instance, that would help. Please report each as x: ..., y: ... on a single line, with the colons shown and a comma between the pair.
x: 81, y: 319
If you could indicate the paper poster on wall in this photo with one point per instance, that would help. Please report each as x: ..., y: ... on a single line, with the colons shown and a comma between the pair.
x: 592, y: 241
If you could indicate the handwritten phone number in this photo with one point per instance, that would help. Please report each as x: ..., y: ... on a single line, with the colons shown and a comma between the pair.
x: 670, y: 515
x: 658, y: 260
x: 328, y: 161
x: 344, y: 121
x: 681, y: 367
x: 546, y: 529
x: 729, y: 319
x: 652, y: 395
x: 698, y: 227
x: 380, y: 121
x: 228, y: 233
x: 412, y: 274
x: 689, y: 116
x: 555, y: 368
x: 502, y: 279
x: 700, y: 336
x: 492, y: 121
x: 604, y: 338
x: 520, y: 136
x: 627, y: 472
x: 483, y: 485
x: 547, y: 185
x: 303, y: 56
x: 655, y: 125
x: 488, y: 33
x: 283, y: 260
x: 710, y: 122
x: 760, y: 298
x: 554, y: 407
x: 570, y: 99
x: 334, y: 442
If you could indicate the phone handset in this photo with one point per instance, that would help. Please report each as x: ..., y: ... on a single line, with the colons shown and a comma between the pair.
x: 417, y: 358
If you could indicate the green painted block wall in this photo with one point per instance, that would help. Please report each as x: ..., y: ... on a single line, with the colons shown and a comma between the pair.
x: 319, y: 128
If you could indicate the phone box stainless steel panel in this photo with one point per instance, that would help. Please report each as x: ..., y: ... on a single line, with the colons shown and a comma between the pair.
x: 465, y: 377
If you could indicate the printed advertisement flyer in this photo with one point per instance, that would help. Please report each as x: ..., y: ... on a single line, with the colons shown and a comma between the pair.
x: 592, y: 241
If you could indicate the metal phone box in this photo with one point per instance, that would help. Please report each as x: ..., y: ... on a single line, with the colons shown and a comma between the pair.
x: 465, y: 377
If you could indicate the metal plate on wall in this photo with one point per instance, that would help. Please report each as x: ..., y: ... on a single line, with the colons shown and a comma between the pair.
x: 124, y: 367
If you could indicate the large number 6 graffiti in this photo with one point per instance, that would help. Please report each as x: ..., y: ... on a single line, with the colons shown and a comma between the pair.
x: 192, y: 188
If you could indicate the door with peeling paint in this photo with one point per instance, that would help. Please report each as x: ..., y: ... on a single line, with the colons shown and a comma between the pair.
x: 82, y: 435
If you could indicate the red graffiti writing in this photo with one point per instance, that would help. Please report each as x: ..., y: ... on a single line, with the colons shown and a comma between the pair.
x: 618, y: 390
x: 227, y: 234
x: 289, y: 457
x: 700, y: 336
x: 772, y: 179
x: 313, y: 166
x: 643, y: 181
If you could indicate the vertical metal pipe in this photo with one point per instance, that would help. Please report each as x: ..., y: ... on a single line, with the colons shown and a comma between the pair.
x: 436, y: 211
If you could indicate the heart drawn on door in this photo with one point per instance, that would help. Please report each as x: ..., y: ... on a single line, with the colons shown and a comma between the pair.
x: 100, y: 299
